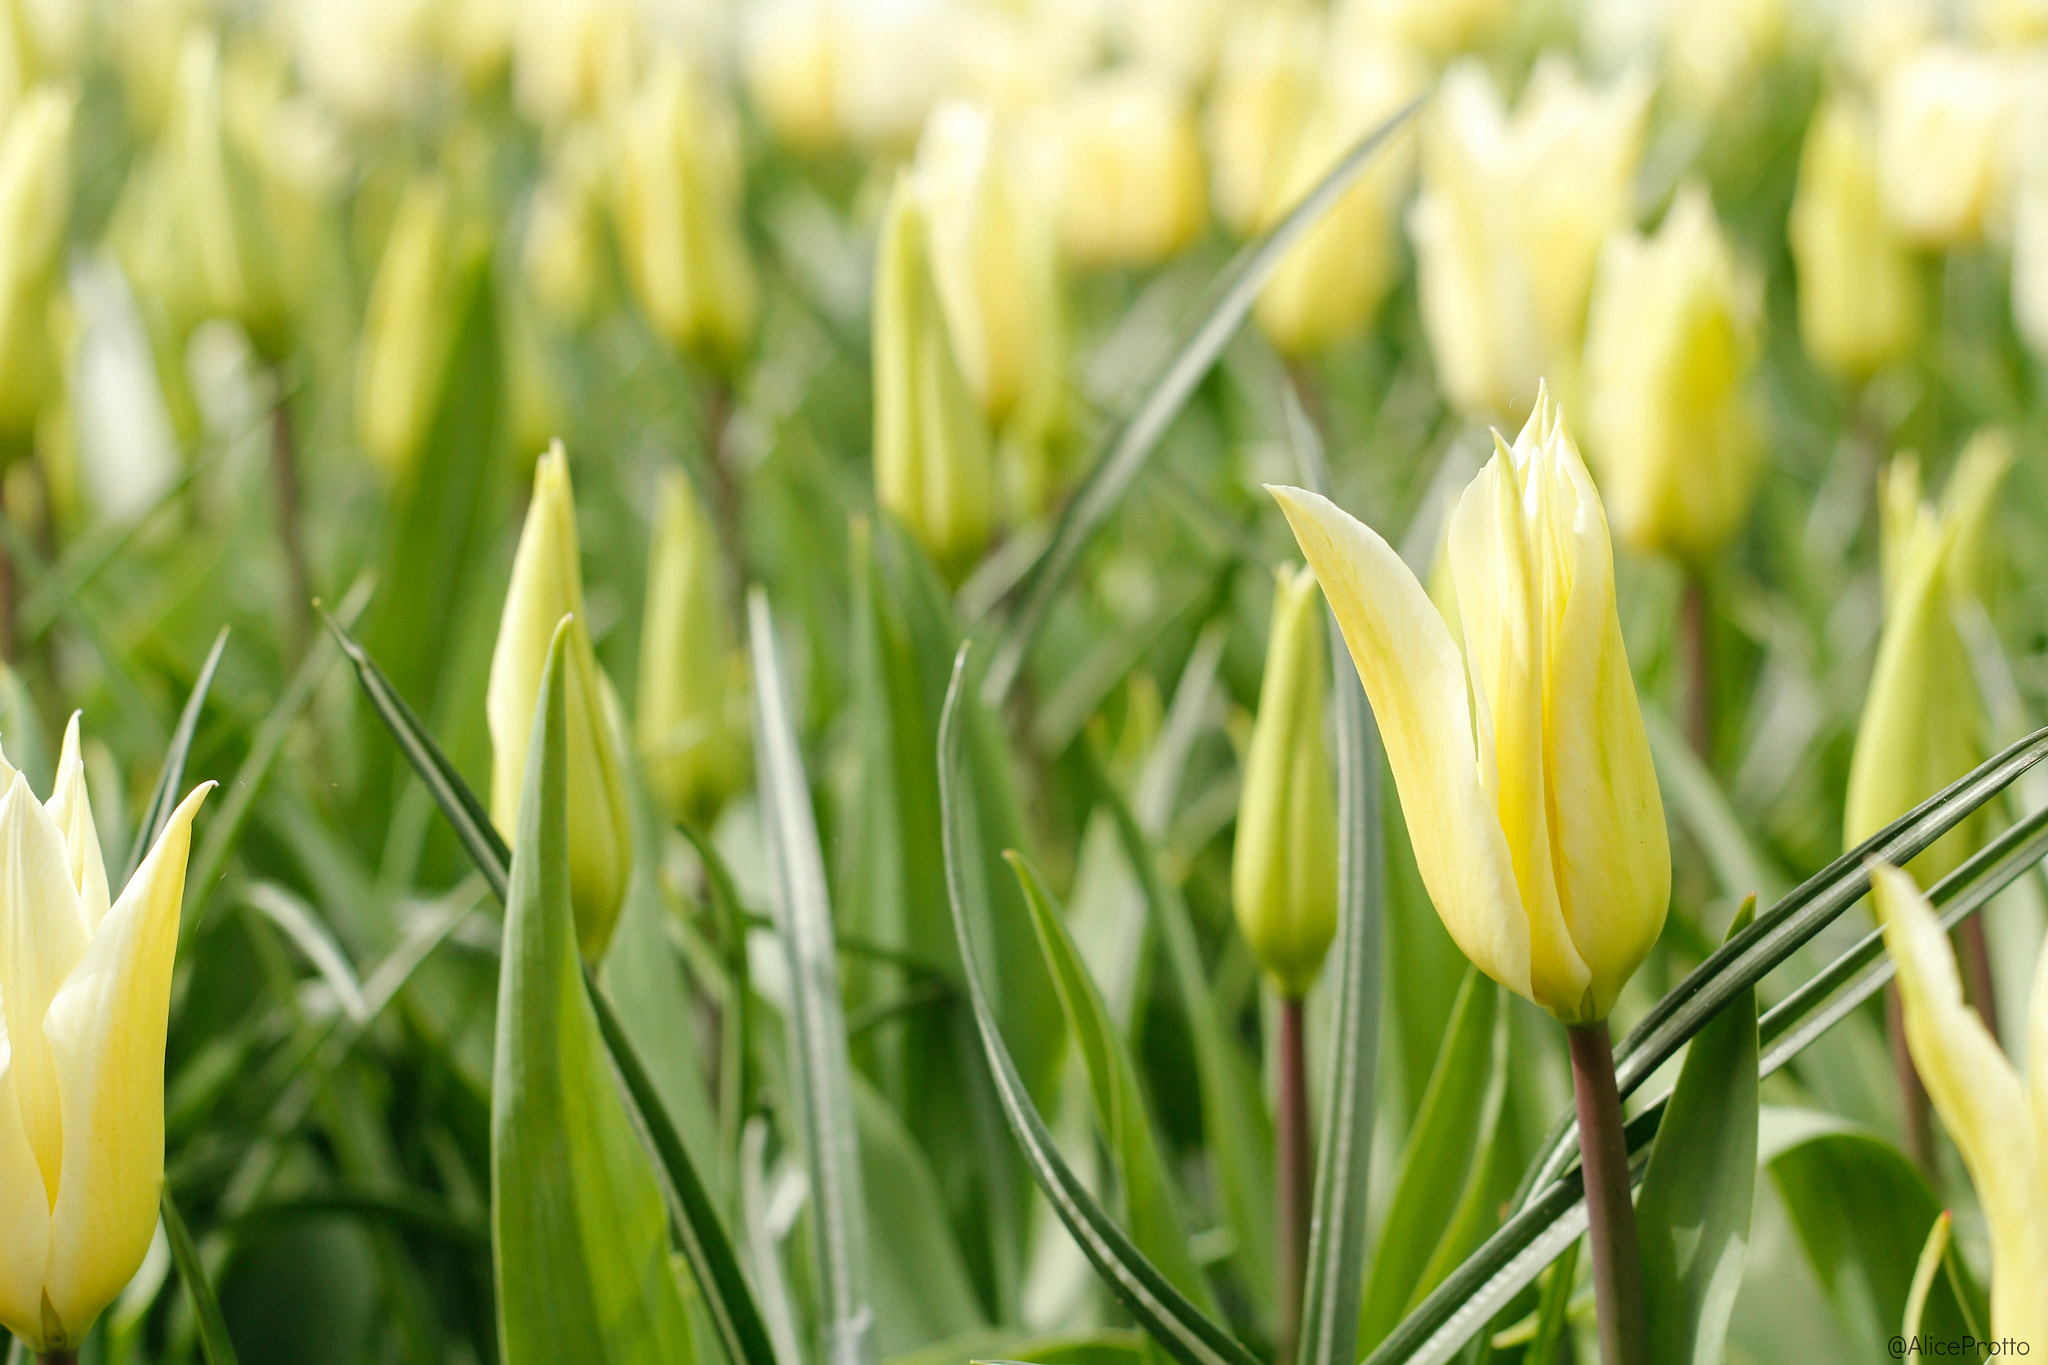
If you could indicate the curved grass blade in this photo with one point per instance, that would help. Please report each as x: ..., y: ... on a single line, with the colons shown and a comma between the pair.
x: 818, y: 1033
x: 163, y: 799
x: 213, y: 1329
x: 1217, y: 319
x: 1181, y: 1328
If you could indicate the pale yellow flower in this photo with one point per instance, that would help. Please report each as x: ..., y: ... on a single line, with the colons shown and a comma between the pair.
x: 1859, y: 294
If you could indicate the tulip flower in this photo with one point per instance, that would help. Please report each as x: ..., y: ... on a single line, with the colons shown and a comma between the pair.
x: 1510, y: 222
x: 1284, y: 867
x: 1532, y: 805
x: 866, y: 72
x: 689, y: 714
x: 1130, y: 169
x: 1669, y: 349
x: 408, y: 329
x: 1436, y: 28
x: 85, y: 993
x: 932, y: 461
x: 1998, y: 1119
x: 1943, y: 117
x: 572, y: 58
x: 35, y: 197
x: 547, y: 584
x: 1859, y: 296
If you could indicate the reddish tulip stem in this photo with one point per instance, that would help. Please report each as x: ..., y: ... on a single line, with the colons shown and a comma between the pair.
x: 1611, y: 1217
x: 56, y: 1358
x: 1915, y: 1121
x: 1296, y: 1175
x: 1976, y: 960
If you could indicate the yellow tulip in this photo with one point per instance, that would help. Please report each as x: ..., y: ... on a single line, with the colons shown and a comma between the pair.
x: 408, y: 328
x: 1669, y: 348
x: 1283, y: 873
x: 1528, y: 790
x: 547, y: 584
x: 1999, y: 1121
x: 86, y: 991
x: 1510, y: 222
x: 1859, y: 297
x: 1943, y: 117
x: 865, y: 72
x: 35, y: 199
x: 689, y: 714
x: 1923, y: 723
x: 1130, y: 169
x: 1439, y: 28
x: 574, y: 58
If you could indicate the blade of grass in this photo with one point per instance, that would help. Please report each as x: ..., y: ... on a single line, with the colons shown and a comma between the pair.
x: 163, y: 799
x: 213, y: 1329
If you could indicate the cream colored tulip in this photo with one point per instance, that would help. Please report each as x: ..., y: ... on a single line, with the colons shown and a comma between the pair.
x: 1438, y: 28
x: 85, y: 994
x: 1129, y: 167
x: 575, y: 58
x: 408, y: 329
x: 826, y: 73
x: 547, y: 585
x: 1943, y: 120
x: 1998, y: 1119
x: 1670, y: 345
x: 1923, y: 723
x: 1283, y: 871
x: 1859, y: 293
x: 1522, y: 764
x: 1510, y: 221
x: 35, y: 200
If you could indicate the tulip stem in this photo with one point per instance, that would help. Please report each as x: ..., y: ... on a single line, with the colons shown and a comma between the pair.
x: 1296, y: 1175
x: 1696, y: 626
x: 56, y: 1358
x: 1916, y: 1126
x: 284, y: 472
x: 1611, y: 1218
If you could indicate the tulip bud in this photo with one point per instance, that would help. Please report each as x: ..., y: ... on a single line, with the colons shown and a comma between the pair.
x: 1435, y: 28
x: 932, y: 463
x: 690, y: 714
x: 35, y: 200
x: 563, y: 254
x: 573, y: 58
x: 1859, y: 294
x: 676, y: 200
x: 789, y: 52
x: 1538, y: 830
x: 85, y: 995
x: 866, y: 72
x: 1266, y: 78
x: 2030, y: 258
x: 1942, y: 121
x: 547, y: 584
x: 1283, y: 873
x: 1130, y: 170
x: 408, y: 329
x: 1669, y: 349
x: 1510, y: 221
x: 1923, y: 722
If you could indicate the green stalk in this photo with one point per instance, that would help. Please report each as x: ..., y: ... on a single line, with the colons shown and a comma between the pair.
x: 1611, y: 1218
x: 1296, y: 1173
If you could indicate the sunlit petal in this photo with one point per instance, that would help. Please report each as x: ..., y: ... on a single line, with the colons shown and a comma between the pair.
x: 43, y: 934
x: 71, y: 807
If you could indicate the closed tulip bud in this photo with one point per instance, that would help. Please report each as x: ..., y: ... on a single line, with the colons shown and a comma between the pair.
x: 690, y: 716
x: 789, y: 52
x: 35, y: 200
x: 85, y: 995
x: 562, y: 253
x: 573, y: 58
x: 1997, y: 1116
x: 676, y: 203
x: 866, y: 72
x: 547, y: 584
x: 1923, y: 723
x: 1859, y: 293
x: 1436, y: 28
x: 1283, y: 872
x: 1670, y: 345
x: 1130, y: 170
x: 932, y: 463
x: 408, y: 329
x: 1266, y: 79
x: 1528, y: 790
x: 1943, y: 117
x: 1510, y: 222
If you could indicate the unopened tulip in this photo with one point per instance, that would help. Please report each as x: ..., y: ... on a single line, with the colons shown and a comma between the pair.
x: 825, y: 73
x: 408, y: 328
x: 689, y: 713
x: 1510, y: 221
x: 35, y: 198
x: 932, y: 462
x: 547, y: 584
x: 677, y: 192
x: 1859, y: 294
x: 574, y: 58
x: 1670, y: 345
x: 1923, y: 723
x: 1130, y: 169
x: 85, y: 994
x: 1284, y: 866
x: 1998, y: 1118
x: 1437, y: 28
x: 1522, y: 764
x: 1943, y: 118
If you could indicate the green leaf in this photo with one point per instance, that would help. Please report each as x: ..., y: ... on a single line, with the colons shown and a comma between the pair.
x: 1190, y: 1335
x: 1103, y: 1346
x: 164, y: 797
x: 817, y: 1030
x: 1434, y: 1166
x: 579, y: 1233
x: 213, y: 1329
x: 1693, y: 1213
x: 922, y: 1291
x: 1157, y: 1225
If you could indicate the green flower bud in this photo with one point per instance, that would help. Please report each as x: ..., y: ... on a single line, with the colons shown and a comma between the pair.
x: 35, y: 197
x: 547, y: 584
x: 408, y: 329
x: 1284, y: 868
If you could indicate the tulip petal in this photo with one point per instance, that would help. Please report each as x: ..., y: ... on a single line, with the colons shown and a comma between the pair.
x: 1415, y: 679
x: 24, y: 1212
x: 106, y: 1030
x: 43, y: 934
x: 1979, y: 1097
x: 71, y: 807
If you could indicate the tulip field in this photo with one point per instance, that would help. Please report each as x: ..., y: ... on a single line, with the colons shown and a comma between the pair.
x: 1090, y: 682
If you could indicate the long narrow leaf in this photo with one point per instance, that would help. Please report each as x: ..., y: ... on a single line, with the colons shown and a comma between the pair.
x: 164, y: 798
x: 213, y: 1329
x: 1181, y: 1328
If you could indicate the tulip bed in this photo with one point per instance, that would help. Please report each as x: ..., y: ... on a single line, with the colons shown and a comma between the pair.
x: 834, y: 683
